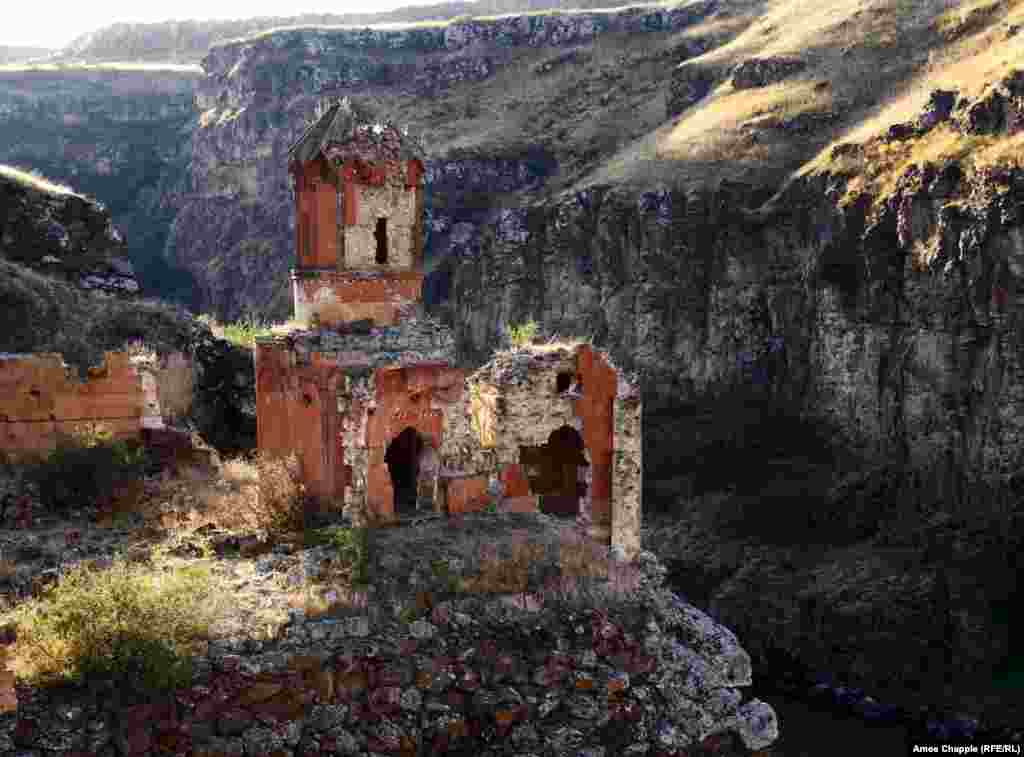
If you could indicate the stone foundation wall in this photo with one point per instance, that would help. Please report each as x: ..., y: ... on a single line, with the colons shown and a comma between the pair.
x: 41, y: 399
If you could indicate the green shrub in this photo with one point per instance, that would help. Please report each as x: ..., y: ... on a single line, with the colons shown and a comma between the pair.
x: 123, y: 623
x: 242, y: 332
x: 352, y: 546
x: 87, y: 467
x: 520, y: 336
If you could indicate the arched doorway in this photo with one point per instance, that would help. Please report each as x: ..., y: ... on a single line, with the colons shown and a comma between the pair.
x: 402, y: 458
x: 554, y: 471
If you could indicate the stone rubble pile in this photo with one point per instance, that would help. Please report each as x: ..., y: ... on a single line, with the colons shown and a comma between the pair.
x: 471, y: 675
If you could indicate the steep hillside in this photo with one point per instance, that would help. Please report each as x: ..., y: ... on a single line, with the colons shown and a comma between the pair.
x: 66, y: 287
x: 51, y: 228
x: 117, y: 134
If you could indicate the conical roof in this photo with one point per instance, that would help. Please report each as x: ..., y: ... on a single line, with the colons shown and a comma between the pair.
x: 344, y: 123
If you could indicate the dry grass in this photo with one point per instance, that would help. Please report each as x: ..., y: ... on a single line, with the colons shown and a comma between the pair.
x: 139, y: 616
x: 243, y: 332
x: 36, y: 181
x: 976, y: 53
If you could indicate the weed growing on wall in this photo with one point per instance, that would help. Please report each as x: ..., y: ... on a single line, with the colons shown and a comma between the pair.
x: 242, y: 332
x: 522, y: 335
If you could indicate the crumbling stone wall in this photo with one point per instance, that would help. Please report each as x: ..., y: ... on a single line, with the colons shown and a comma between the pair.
x: 377, y: 405
x: 365, y: 384
x: 391, y: 200
x: 514, y: 407
x: 627, y: 471
x: 40, y: 398
x: 339, y: 277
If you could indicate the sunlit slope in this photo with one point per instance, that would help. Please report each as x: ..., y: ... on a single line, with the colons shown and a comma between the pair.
x: 859, y: 67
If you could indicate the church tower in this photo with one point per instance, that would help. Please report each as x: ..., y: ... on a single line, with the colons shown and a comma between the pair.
x: 359, y: 219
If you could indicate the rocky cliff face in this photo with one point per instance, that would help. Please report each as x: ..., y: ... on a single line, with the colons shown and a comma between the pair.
x: 237, y: 225
x: 59, y: 233
x: 898, y: 327
x: 117, y: 135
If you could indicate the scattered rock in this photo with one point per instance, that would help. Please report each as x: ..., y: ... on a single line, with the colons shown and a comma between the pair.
x: 900, y: 132
x: 938, y: 109
x: 985, y: 116
x: 760, y: 72
x: 690, y: 83
x: 946, y: 181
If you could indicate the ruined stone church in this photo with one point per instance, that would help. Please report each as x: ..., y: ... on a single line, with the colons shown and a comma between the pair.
x: 369, y: 392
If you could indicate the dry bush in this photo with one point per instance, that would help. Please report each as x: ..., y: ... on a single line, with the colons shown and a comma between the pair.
x: 281, y: 503
x: 174, y: 386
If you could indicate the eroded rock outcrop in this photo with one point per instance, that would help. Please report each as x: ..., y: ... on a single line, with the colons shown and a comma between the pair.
x: 60, y: 233
x: 893, y: 319
x: 760, y: 72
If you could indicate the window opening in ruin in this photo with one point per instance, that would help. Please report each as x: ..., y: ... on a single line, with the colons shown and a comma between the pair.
x: 382, y: 240
x: 563, y: 381
x: 403, y: 461
x: 553, y: 471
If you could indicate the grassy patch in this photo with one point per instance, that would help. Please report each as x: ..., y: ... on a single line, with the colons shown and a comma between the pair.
x: 522, y: 335
x: 352, y: 547
x: 124, y: 622
x: 242, y: 332
x: 136, y: 619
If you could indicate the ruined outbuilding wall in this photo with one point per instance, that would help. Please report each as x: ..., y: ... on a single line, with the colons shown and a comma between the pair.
x: 516, y: 401
x: 40, y: 399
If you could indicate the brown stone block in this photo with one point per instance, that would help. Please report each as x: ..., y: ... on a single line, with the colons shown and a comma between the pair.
x: 601, y: 481
x: 259, y: 692
x: 303, y: 663
x: 526, y: 504
x: 467, y: 494
x: 516, y: 484
x: 601, y: 510
x: 323, y: 682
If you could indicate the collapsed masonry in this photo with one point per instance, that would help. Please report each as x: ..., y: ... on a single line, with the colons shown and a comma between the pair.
x: 369, y: 393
